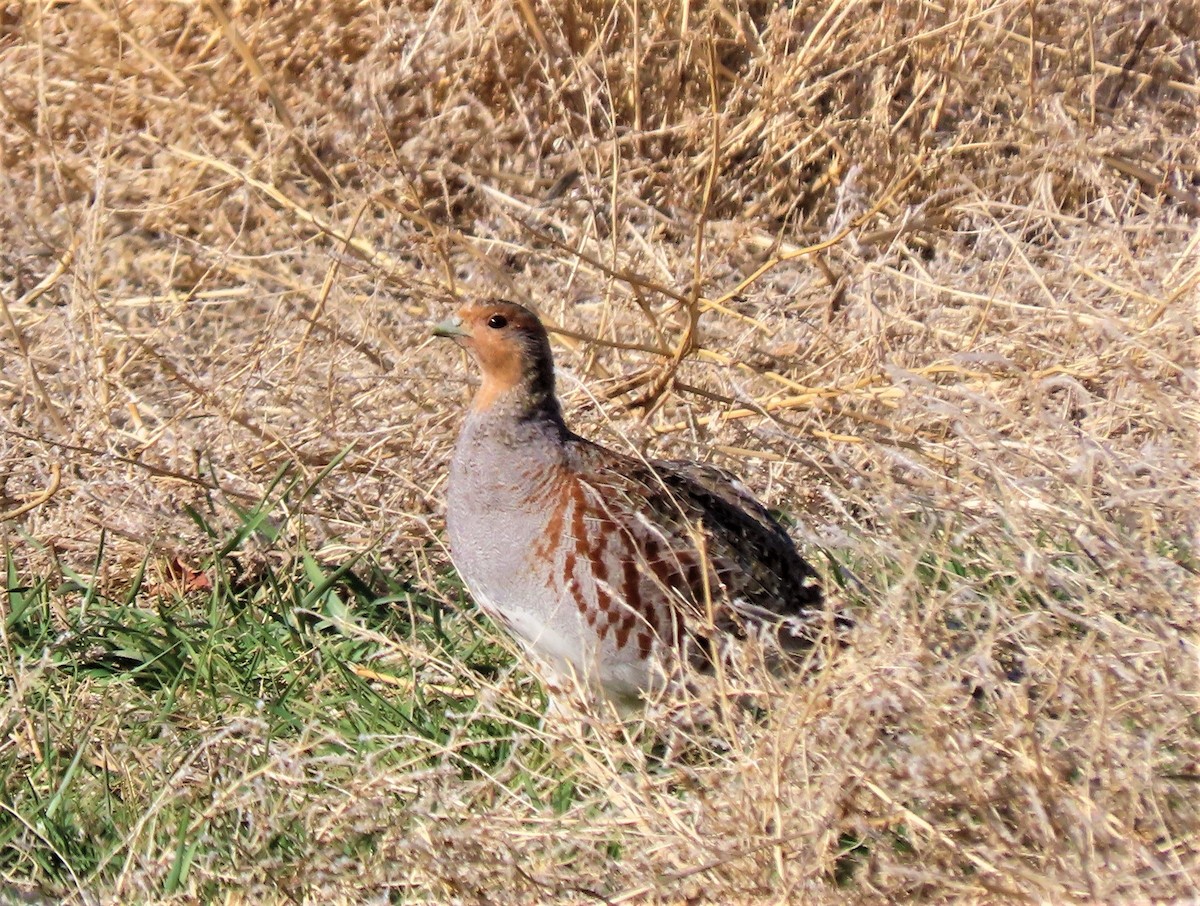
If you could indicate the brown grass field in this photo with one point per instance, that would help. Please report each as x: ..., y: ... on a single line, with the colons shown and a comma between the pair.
x: 942, y: 261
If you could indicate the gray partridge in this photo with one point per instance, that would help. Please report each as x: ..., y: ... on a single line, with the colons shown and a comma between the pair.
x: 608, y: 568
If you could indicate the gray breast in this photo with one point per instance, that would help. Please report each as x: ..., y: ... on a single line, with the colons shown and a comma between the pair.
x: 494, y: 514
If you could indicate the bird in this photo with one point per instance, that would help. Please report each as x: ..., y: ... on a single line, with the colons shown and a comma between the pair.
x: 616, y: 573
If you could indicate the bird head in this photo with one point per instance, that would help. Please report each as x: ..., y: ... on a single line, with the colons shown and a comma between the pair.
x: 512, y: 349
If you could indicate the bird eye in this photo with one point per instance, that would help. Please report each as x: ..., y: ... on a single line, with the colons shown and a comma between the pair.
x: 497, y: 321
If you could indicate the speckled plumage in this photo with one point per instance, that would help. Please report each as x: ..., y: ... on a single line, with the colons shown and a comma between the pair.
x: 605, y: 566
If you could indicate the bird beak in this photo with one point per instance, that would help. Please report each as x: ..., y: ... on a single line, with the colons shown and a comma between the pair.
x: 451, y: 327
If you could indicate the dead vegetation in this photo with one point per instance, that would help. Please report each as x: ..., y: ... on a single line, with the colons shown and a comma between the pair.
x: 925, y: 273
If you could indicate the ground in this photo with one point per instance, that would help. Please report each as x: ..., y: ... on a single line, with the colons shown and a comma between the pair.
x: 924, y: 274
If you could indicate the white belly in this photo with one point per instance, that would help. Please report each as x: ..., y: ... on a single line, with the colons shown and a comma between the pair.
x: 562, y: 642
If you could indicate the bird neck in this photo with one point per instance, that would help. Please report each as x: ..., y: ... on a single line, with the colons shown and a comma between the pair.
x: 516, y: 434
x: 498, y: 410
x: 518, y: 391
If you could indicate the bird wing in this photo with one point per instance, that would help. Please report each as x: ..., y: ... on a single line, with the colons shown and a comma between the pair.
x: 755, y: 578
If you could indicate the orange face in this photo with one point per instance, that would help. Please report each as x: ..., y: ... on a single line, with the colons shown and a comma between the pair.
x: 505, y: 338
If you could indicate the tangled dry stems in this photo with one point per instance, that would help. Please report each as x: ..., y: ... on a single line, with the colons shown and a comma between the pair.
x: 924, y: 273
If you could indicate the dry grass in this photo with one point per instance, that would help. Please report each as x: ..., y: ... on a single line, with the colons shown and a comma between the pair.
x: 227, y: 229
